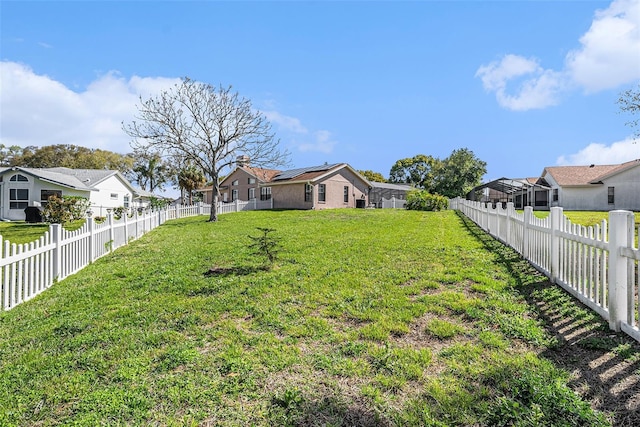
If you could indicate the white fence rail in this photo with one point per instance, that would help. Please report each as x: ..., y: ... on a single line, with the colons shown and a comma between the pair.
x: 597, y: 264
x: 28, y: 269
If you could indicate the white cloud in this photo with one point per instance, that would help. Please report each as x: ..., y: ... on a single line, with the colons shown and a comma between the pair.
x: 539, y: 89
x: 607, y: 58
x: 323, y: 143
x: 601, y: 154
x: 609, y: 55
x: 299, y: 137
x: 287, y: 123
x: 37, y: 110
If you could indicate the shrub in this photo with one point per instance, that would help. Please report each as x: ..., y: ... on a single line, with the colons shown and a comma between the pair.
x: 60, y: 210
x: 421, y: 200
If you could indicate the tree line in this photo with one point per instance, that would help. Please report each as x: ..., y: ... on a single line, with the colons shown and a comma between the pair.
x: 453, y: 176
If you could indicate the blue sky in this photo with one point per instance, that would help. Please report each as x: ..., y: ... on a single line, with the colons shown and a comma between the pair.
x: 523, y: 84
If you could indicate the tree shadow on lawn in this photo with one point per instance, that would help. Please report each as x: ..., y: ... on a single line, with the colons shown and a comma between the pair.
x: 604, y: 366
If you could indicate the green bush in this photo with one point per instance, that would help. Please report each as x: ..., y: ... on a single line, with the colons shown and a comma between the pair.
x: 61, y: 210
x: 421, y: 200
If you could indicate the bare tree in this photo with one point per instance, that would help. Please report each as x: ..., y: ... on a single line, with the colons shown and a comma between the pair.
x: 629, y: 102
x: 206, y: 126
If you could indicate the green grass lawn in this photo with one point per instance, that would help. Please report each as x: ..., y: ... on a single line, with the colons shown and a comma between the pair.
x: 369, y: 317
x: 22, y: 232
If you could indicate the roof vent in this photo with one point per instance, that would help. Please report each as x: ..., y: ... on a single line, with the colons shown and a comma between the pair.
x: 592, y: 165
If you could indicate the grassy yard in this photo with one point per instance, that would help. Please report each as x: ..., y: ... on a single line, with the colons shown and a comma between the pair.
x: 368, y: 318
x: 22, y: 232
x: 586, y: 218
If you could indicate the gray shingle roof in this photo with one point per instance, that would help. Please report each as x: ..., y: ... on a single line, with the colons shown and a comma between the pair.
x: 81, y: 179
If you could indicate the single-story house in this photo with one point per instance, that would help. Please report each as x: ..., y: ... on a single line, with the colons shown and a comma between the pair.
x: 22, y: 187
x: 594, y: 187
x: 383, y: 193
x: 318, y: 187
x: 589, y: 188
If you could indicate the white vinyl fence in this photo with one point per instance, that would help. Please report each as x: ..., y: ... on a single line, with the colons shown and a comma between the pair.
x: 598, y: 264
x: 393, y: 203
x: 28, y: 269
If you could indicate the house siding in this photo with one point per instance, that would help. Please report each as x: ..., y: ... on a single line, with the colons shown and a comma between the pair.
x: 291, y: 196
x: 594, y: 196
x: 243, y: 186
x: 100, y: 200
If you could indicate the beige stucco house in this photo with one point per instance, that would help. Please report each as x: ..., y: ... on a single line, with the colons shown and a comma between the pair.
x: 319, y: 187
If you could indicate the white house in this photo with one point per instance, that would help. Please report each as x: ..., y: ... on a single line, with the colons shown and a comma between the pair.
x: 594, y: 187
x: 21, y: 187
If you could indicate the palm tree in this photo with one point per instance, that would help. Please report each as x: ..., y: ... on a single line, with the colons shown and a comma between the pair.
x: 190, y: 178
x: 150, y: 170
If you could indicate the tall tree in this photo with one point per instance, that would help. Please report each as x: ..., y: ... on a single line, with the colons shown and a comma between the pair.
x: 460, y: 172
x: 207, y: 126
x: 72, y: 156
x: 629, y: 102
x: 190, y: 178
x: 420, y: 171
x: 372, y: 176
x: 150, y: 171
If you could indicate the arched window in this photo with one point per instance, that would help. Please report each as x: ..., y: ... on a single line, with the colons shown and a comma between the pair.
x: 18, y: 178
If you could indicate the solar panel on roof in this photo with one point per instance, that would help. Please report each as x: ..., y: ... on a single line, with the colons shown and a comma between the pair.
x: 292, y: 173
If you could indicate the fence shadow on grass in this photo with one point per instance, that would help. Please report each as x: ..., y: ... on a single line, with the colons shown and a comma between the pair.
x: 604, y: 366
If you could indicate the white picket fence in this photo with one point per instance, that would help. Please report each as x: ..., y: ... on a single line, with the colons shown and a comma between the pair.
x: 597, y: 264
x: 28, y: 269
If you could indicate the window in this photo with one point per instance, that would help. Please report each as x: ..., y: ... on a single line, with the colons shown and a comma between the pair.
x: 346, y: 194
x: 18, y: 178
x: 45, y: 194
x: 308, y: 193
x: 611, y: 195
x: 225, y: 196
x: 18, y: 198
x: 235, y: 182
x: 265, y: 193
x: 114, y: 196
x: 252, y: 193
x: 322, y: 196
x: 126, y: 201
x: 555, y: 194
x: 234, y: 195
x: 252, y: 181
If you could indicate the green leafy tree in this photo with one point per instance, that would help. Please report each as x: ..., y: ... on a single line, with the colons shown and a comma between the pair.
x: 12, y: 155
x: 460, y: 172
x: 190, y: 178
x: 72, y: 156
x: 372, y: 176
x: 206, y: 126
x: 419, y: 171
x: 629, y: 102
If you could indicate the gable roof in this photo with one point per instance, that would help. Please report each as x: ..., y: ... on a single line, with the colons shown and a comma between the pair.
x: 567, y: 176
x: 264, y: 175
x: 78, y: 179
x: 312, y: 174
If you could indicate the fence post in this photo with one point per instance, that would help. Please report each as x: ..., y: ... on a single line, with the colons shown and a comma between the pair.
x: 111, y: 231
x: 507, y: 231
x: 271, y: 200
x: 556, y: 220
x: 619, y: 236
x: 125, y: 215
x: 528, y: 211
x: 90, y: 228
x: 55, y: 230
x: 237, y: 204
